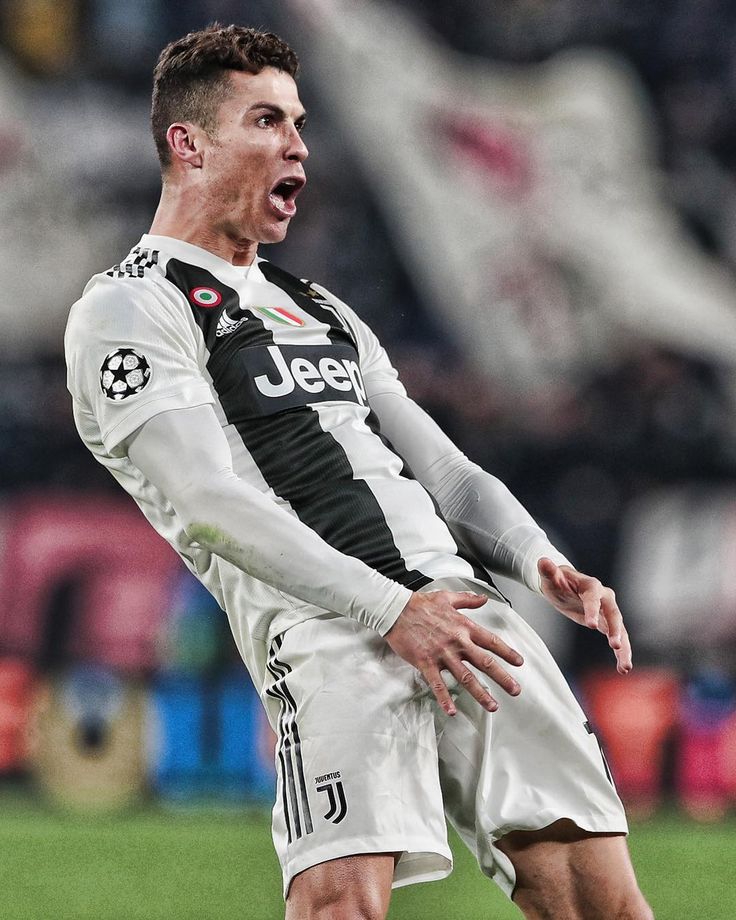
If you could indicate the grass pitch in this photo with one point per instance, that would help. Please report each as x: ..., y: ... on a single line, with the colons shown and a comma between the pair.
x: 207, y: 865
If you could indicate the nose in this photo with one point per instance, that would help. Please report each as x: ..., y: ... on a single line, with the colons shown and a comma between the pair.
x: 296, y: 149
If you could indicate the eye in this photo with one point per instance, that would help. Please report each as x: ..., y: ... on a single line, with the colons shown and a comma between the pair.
x: 265, y: 121
x: 300, y: 125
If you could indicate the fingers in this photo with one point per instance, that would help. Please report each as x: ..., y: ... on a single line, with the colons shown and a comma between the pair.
x: 599, y: 608
x: 475, y: 650
x: 623, y: 655
x: 462, y: 600
x: 470, y: 683
x: 610, y: 622
x: 559, y: 579
x: 487, y: 640
x: 618, y: 637
x: 488, y: 665
x: 439, y: 688
x: 433, y: 635
x: 591, y: 597
x: 547, y: 568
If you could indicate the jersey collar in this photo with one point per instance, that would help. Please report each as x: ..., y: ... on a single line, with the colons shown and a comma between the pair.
x: 195, y: 255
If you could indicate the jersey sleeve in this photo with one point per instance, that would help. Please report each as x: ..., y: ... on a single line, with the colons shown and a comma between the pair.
x: 478, y: 508
x: 132, y: 353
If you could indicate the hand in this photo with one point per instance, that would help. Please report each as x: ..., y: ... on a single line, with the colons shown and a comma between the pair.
x: 586, y: 601
x: 432, y: 635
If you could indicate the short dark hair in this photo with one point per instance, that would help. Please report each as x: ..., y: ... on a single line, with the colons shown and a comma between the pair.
x: 191, y: 78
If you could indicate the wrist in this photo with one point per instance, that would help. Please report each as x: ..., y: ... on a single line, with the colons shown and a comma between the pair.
x: 381, y: 616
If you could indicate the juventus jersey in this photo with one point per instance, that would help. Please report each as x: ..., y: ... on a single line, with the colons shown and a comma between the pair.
x: 290, y: 371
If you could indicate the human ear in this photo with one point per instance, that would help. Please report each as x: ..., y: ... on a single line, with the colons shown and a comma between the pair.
x: 186, y: 144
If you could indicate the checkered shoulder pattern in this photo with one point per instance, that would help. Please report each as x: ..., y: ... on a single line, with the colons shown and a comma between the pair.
x: 136, y: 264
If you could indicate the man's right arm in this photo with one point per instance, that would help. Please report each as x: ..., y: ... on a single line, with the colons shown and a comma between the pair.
x: 185, y: 454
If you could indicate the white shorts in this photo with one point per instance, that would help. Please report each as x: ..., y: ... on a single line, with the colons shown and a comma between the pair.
x: 367, y: 762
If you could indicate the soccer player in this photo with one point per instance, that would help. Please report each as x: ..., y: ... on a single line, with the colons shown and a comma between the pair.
x: 260, y: 427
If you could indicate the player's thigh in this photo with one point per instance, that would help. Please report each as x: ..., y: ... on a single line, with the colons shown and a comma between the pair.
x: 529, y: 764
x: 356, y: 753
x: 572, y: 873
x: 353, y: 886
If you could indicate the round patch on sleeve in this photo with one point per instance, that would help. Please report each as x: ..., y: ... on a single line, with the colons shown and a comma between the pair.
x: 124, y: 373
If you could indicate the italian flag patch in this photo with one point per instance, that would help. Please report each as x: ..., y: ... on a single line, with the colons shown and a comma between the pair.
x: 280, y: 316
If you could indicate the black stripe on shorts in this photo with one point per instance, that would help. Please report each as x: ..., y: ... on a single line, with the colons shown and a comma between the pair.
x: 294, y: 787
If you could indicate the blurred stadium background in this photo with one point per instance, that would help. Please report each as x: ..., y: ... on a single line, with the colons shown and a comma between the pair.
x: 534, y: 204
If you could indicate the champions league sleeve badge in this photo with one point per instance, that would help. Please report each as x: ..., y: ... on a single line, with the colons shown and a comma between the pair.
x: 124, y: 373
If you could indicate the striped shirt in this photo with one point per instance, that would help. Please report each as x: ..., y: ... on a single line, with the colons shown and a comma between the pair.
x: 290, y: 371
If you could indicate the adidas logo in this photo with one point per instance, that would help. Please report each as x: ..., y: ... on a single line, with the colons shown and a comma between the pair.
x: 226, y: 324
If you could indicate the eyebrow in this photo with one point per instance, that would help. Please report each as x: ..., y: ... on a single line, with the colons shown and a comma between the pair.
x: 277, y: 110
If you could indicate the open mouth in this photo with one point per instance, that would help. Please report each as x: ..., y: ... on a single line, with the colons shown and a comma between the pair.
x: 283, y: 195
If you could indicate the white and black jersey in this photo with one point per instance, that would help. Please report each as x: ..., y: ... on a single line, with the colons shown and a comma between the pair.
x: 291, y: 372
x: 290, y: 376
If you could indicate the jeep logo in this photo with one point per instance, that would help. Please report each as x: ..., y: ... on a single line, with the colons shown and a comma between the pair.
x: 327, y: 376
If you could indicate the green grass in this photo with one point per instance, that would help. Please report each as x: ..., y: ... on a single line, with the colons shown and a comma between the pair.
x: 221, y: 866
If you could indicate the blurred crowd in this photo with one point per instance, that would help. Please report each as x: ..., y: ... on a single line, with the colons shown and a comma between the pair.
x: 74, y: 91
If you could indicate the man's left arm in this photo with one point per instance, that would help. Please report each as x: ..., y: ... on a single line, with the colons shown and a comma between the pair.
x: 494, y: 525
x: 478, y: 507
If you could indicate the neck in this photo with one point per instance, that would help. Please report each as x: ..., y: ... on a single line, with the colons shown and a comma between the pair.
x: 181, y: 216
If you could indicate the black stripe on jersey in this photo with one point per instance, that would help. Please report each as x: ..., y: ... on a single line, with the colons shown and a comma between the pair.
x: 306, y: 466
x: 187, y: 278
x: 268, y: 380
x: 479, y: 570
x: 300, y: 461
x: 309, y: 300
